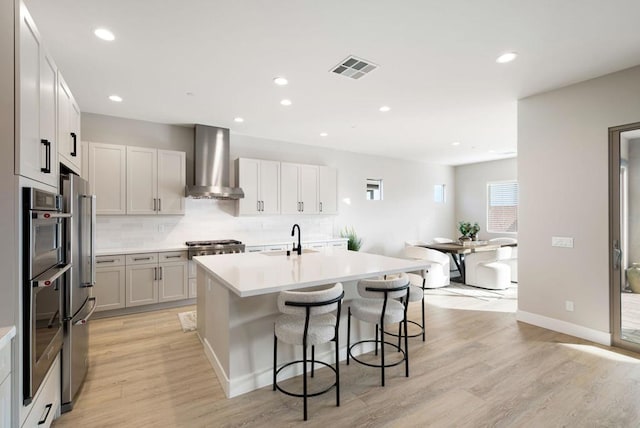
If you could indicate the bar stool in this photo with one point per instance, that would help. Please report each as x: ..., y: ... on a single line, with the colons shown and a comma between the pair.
x: 307, y: 320
x: 379, y: 306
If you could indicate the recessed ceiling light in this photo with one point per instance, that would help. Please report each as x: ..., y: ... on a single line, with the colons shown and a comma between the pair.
x: 492, y: 151
x: 285, y: 102
x: 280, y: 81
x: 385, y: 108
x: 115, y: 98
x: 455, y: 143
x: 104, y: 34
x: 506, y: 57
x: 238, y: 119
x: 323, y: 134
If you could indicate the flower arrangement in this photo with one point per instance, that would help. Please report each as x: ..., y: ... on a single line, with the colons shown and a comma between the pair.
x: 468, y: 230
x: 354, y: 242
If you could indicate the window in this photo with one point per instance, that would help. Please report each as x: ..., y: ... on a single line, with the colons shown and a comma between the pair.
x: 438, y: 193
x: 374, y: 189
x: 502, y: 207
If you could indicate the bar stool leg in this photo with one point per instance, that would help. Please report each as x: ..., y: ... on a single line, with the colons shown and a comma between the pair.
x: 313, y: 358
x: 338, y: 370
x: 348, y: 335
x: 275, y: 359
x: 376, y: 352
x: 406, y: 346
x: 381, y: 347
x: 304, y: 379
x: 424, y: 326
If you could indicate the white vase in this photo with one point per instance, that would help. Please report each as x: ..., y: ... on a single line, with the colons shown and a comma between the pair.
x: 633, y: 277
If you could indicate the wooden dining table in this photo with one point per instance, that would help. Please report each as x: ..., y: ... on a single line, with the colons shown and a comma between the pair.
x: 458, y: 251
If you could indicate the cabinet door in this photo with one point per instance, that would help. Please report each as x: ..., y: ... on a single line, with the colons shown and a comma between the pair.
x: 269, y: 183
x: 193, y: 288
x: 173, y: 281
x: 142, y: 285
x: 142, y: 180
x: 248, y: 173
x: 68, y: 127
x: 36, y: 148
x: 172, y: 181
x: 289, y: 179
x: 5, y: 402
x: 109, y: 289
x: 328, y: 190
x: 308, y: 188
x: 107, y: 177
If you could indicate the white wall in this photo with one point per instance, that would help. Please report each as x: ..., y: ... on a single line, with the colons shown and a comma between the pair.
x: 406, y: 213
x: 471, y: 197
x: 563, y: 179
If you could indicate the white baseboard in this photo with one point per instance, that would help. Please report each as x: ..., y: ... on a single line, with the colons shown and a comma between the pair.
x: 560, y: 326
x: 256, y: 380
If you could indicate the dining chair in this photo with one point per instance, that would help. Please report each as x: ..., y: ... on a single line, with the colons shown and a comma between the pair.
x: 513, y: 259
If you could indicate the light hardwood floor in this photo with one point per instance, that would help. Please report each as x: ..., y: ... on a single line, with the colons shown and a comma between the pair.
x: 479, y: 367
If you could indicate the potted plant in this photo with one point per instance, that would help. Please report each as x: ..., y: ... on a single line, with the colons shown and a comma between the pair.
x: 354, y: 242
x: 464, y: 227
x: 473, y: 231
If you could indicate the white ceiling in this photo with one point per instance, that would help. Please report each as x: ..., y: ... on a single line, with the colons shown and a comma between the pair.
x: 437, y: 68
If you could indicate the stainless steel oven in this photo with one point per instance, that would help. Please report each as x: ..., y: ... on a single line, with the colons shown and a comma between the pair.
x: 43, y: 274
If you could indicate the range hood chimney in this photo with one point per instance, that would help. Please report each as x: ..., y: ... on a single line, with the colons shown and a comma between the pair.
x: 211, y: 155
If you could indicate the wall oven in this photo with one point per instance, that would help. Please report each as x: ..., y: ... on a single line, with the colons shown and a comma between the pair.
x: 43, y: 273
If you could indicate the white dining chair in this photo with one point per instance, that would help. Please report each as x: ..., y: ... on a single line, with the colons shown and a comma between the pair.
x: 513, y: 259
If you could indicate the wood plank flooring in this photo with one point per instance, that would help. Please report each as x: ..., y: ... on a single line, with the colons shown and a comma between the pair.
x: 478, y: 367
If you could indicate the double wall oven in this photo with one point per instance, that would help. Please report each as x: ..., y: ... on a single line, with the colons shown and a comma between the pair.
x: 43, y: 287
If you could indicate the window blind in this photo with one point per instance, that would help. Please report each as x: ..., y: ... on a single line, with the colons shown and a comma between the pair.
x: 502, y: 207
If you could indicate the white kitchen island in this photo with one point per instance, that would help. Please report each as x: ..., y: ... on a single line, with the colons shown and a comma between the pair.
x: 237, y: 308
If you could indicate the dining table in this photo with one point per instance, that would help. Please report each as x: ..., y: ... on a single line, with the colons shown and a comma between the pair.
x: 459, y: 250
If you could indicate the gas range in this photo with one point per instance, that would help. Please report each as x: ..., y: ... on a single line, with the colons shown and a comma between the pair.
x: 207, y: 248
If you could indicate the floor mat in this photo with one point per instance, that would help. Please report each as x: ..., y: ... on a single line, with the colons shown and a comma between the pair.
x: 478, y: 293
x: 187, y: 320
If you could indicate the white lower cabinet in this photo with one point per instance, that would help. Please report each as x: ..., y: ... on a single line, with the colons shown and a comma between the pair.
x: 46, y: 404
x: 141, y: 279
x: 5, y: 386
x: 109, y: 289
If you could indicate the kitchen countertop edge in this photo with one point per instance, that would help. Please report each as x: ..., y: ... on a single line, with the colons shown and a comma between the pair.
x: 6, y: 334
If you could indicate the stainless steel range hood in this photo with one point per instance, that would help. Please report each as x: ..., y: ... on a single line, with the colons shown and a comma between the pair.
x: 211, y: 155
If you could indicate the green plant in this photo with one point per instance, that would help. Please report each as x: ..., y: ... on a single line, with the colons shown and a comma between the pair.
x: 354, y: 242
x: 466, y: 229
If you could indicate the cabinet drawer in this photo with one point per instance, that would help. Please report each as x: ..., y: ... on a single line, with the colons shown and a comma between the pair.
x: 46, y: 406
x: 173, y: 256
x: 5, y: 361
x: 105, y: 261
x: 277, y: 247
x: 254, y: 249
x: 142, y: 258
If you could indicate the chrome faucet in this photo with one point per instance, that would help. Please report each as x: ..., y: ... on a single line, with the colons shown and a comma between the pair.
x: 298, y: 249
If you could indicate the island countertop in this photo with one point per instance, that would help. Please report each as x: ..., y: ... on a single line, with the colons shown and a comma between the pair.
x: 253, y: 274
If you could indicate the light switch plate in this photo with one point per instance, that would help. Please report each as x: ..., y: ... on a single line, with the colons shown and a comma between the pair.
x: 562, y: 241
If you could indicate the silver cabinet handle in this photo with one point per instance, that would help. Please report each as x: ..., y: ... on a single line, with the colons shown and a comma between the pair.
x: 155, y: 204
x: 173, y: 257
x: 155, y: 273
x: 262, y: 206
x: 160, y: 269
x: 320, y: 206
x: 137, y: 259
x: 93, y: 309
x: 302, y: 206
x: 106, y: 261
x: 257, y: 205
x: 159, y: 204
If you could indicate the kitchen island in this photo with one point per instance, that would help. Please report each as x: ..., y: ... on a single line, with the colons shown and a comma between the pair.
x: 237, y: 308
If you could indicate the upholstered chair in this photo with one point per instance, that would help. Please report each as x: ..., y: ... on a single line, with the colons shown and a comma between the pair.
x: 488, y: 269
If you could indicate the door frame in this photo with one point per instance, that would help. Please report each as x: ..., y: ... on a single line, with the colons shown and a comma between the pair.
x: 615, y: 275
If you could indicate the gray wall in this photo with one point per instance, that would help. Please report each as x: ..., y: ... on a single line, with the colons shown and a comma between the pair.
x: 9, y: 285
x: 406, y: 213
x: 563, y: 178
x: 471, y: 197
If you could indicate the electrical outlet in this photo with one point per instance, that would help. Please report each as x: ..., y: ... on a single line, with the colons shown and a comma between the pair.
x: 562, y: 241
x: 568, y: 305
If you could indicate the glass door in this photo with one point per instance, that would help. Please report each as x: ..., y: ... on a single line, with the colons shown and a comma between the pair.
x: 624, y: 209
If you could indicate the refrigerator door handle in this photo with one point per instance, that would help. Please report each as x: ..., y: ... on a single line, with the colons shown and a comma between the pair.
x: 93, y: 309
x: 92, y: 280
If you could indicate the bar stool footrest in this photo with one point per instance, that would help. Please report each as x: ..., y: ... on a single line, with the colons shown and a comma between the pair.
x: 393, y: 345
x: 314, y: 394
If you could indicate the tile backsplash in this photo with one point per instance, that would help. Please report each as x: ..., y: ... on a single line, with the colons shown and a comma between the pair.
x: 206, y: 219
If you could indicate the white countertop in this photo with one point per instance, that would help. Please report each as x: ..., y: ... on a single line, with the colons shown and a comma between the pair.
x: 281, y: 242
x: 6, y: 334
x: 253, y: 274
x: 116, y: 251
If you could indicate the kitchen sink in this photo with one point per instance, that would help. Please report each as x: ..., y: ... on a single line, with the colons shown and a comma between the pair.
x: 284, y: 252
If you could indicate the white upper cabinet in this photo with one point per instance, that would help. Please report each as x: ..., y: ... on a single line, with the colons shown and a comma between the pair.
x: 69, y: 147
x: 36, y: 147
x: 108, y: 177
x: 328, y: 190
x: 142, y: 180
x: 260, y: 181
x: 172, y: 181
x: 299, y: 188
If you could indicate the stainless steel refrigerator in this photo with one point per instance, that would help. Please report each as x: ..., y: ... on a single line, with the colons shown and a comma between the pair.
x: 78, y: 305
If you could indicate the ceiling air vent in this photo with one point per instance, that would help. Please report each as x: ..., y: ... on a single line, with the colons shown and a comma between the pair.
x: 354, y: 67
